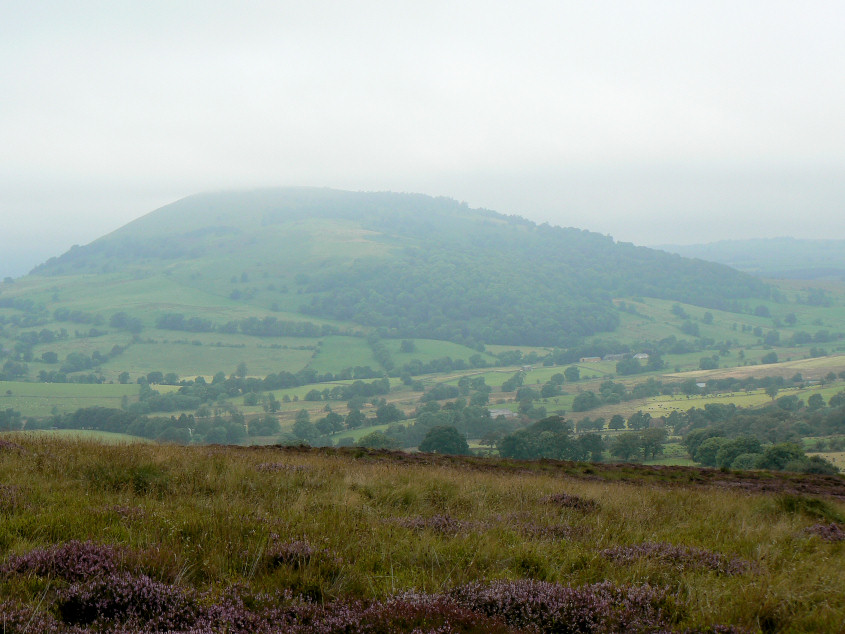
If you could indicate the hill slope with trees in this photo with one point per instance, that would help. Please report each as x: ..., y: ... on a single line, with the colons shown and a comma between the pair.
x: 410, y: 264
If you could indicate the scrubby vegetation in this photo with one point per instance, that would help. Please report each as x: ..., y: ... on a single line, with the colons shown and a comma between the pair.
x: 155, y: 538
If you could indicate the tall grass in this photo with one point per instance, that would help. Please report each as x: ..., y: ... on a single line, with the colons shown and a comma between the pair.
x: 335, y: 527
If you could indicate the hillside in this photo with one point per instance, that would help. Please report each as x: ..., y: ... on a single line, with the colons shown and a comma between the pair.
x: 147, y: 538
x: 787, y: 258
x: 413, y: 265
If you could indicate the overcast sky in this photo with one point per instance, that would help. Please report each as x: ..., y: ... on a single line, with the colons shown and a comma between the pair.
x: 650, y: 121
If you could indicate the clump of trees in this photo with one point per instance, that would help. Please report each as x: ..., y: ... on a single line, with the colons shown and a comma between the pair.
x: 552, y: 438
x: 769, y: 438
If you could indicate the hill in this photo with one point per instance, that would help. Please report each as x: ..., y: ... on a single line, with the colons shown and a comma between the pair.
x: 783, y: 258
x: 409, y: 264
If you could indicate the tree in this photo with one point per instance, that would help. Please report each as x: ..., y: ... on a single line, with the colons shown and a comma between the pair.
x: 235, y: 433
x: 746, y: 461
x: 377, y: 440
x: 652, y: 442
x: 769, y: 357
x: 790, y: 403
x: 479, y: 399
x: 655, y: 362
x: 837, y: 400
x: 265, y: 426
x: 171, y: 378
x: 626, y: 446
x: 355, y: 419
x: 518, y: 445
x: 241, y: 371
x: 334, y: 422
x: 272, y: 405
x: 628, y: 366
x: 707, y: 450
x: 731, y: 450
x: 388, y: 413
x: 10, y: 420
x: 550, y: 390
x: 572, y: 373
x: 585, y: 401
x: 772, y: 338
x: 708, y: 363
x: 816, y: 401
x: 407, y: 346
x: 690, y: 386
x: 303, y: 429
x: 617, y: 421
x: 779, y: 456
x: 592, y: 444
x: 444, y: 439
x: 639, y: 420
x: 178, y: 435
x: 14, y: 369
x: 772, y: 391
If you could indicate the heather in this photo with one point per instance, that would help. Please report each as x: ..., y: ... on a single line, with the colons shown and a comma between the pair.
x: 829, y: 532
x: 683, y: 557
x: 211, y: 539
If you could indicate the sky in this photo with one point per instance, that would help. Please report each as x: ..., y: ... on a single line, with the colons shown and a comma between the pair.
x: 652, y: 121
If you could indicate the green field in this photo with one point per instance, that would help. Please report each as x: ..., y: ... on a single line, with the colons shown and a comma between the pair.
x: 203, y: 354
x: 189, y: 360
x: 44, y: 399
x: 426, y: 350
x: 84, y: 435
x: 337, y: 353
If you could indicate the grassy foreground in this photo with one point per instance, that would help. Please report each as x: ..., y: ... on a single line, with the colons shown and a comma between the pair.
x: 150, y: 537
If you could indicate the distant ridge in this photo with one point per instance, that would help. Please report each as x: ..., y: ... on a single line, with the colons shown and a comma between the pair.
x: 409, y: 264
x: 788, y: 258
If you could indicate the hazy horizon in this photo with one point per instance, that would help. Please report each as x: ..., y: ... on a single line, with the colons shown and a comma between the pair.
x: 655, y: 122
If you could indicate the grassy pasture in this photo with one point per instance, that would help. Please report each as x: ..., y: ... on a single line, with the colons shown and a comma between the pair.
x: 86, y: 435
x: 188, y: 360
x: 357, y: 434
x: 430, y: 349
x: 40, y: 399
x: 810, y: 368
x: 337, y: 353
x: 206, y: 518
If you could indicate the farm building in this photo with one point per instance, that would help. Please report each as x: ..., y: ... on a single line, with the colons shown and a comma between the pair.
x: 504, y: 413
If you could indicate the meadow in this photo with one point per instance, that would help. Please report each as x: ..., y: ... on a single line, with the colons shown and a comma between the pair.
x: 44, y: 399
x: 266, y: 539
